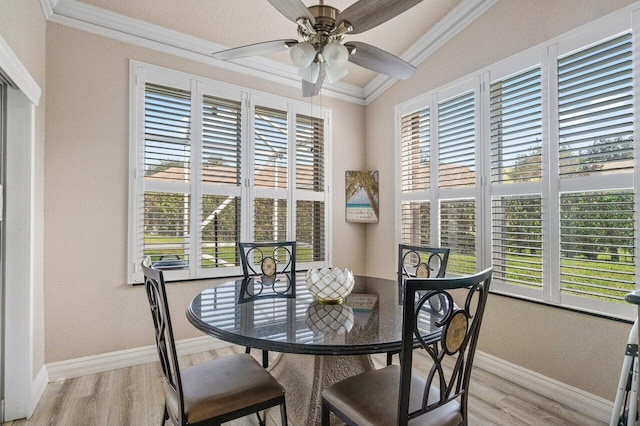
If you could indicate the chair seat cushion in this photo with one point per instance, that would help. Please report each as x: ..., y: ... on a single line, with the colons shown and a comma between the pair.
x: 378, y: 405
x: 222, y: 386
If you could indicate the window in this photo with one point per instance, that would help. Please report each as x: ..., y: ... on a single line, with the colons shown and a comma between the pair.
x: 213, y: 165
x: 545, y: 191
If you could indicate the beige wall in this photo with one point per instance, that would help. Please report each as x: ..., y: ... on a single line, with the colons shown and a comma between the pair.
x: 28, y: 43
x: 576, y: 349
x: 90, y: 309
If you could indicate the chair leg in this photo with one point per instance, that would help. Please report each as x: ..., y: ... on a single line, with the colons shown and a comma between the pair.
x: 260, y: 422
x: 389, y: 358
x: 247, y: 350
x: 265, y: 359
x: 283, y: 414
x: 325, y: 415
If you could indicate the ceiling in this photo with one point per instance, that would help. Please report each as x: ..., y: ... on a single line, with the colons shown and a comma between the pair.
x: 221, y: 24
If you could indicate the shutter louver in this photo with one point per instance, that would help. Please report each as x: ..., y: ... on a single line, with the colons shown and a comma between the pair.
x: 221, y: 141
x: 516, y: 128
x: 309, y: 153
x: 416, y: 228
x: 597, y: 244
x: 270, y: 148
x: 517, y: 240
x: 415, y: 155
x: 167, y: 153
x: 270, y: 219
x: 220, y: 231
x: 458, y: 232
x: 310, y: 231
x: 595, y: 92
x: 167, y: 125
x: 456, y: 142
x: 166, y: 225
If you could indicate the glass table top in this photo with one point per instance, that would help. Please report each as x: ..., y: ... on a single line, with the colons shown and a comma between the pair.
x: 285, y: 318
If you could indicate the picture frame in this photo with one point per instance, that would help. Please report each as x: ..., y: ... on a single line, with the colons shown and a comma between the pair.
x: 362, y: 197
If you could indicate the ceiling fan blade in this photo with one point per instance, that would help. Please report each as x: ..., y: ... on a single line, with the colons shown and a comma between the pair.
x: 293, y: 9
x: 378, y: 60
x: 309, y: 89
x: 366, y: 14
x: 255, y: 49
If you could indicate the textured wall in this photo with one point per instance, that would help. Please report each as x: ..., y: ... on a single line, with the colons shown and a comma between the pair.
x: 89, y: 307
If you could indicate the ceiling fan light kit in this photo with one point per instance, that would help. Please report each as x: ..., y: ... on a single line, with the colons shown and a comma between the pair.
x: 302, y: 54
x: 310, y: 73
x: 323, y: 51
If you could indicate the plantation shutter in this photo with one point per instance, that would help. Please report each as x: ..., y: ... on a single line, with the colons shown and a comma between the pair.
x: 310, y: 188
x: 416, y: 229
x: 456, y: 142
x: 595, y: 91
x: 517, y: 240
x: 597, y: 244
x: 458, y: 232
x: 270, y: 148
x: 221, y: 177
x: 310, y: 231
x: 270, y: 219
x: 516, y: 128
x: 309, y: 153
x: 167, y: 173
x: 415, y: 155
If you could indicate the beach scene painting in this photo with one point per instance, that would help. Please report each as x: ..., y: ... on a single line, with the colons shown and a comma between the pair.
x: 362, y: 196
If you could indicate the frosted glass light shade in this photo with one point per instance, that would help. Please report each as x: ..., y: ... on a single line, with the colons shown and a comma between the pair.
x: 310, y: 73
x: 335, y: 74
x: 302, y: 54
x: 335, y: 54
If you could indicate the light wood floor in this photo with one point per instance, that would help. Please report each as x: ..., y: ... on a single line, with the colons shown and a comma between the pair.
x: 133, y: 396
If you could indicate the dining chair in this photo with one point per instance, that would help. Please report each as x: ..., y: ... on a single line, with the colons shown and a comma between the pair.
x: 209, y: 393
x: 420, y: 262
x: 271, y: 264
x: 437, y: 396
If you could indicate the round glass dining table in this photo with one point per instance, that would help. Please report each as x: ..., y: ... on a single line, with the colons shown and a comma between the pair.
x: 318, y: 344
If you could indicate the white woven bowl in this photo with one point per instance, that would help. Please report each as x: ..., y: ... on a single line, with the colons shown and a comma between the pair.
x: 329, y: 285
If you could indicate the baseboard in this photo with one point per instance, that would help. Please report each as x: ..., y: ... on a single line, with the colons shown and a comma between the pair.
x: 584, y: 402
x: 592, y: 405
x: 127, y: 358
x: 38, y: 386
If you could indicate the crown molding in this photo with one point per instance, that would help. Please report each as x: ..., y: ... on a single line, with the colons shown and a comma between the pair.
x: 458, y: 19
x: 101, y: 22
x: 85, y: 17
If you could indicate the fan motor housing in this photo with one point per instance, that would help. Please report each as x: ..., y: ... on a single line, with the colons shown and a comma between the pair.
x: 325, y: 17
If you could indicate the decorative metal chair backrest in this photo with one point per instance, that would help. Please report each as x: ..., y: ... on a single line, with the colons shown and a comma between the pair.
x: 460, y: 327
x: 268, y: 260
x: 421, y: 262
x: 165, y: 343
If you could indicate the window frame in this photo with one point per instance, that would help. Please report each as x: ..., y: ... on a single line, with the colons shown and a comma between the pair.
x: 140, y: 74
x: 550, y: 186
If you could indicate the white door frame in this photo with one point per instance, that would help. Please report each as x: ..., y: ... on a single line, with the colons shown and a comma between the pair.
x: 22, y: 99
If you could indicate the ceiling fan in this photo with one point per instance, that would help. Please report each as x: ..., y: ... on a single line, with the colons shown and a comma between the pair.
x: 323, y: 52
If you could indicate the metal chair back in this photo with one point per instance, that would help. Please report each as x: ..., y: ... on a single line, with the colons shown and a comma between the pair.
x: 165, y: 343
x: 421, y: 262
x: 268, y: 260
x: 460, y: 325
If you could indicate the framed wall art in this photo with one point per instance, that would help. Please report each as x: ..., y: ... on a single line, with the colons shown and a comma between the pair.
x: 362, y: 196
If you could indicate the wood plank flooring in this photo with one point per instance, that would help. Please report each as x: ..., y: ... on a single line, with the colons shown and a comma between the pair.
x: 133, y: 396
